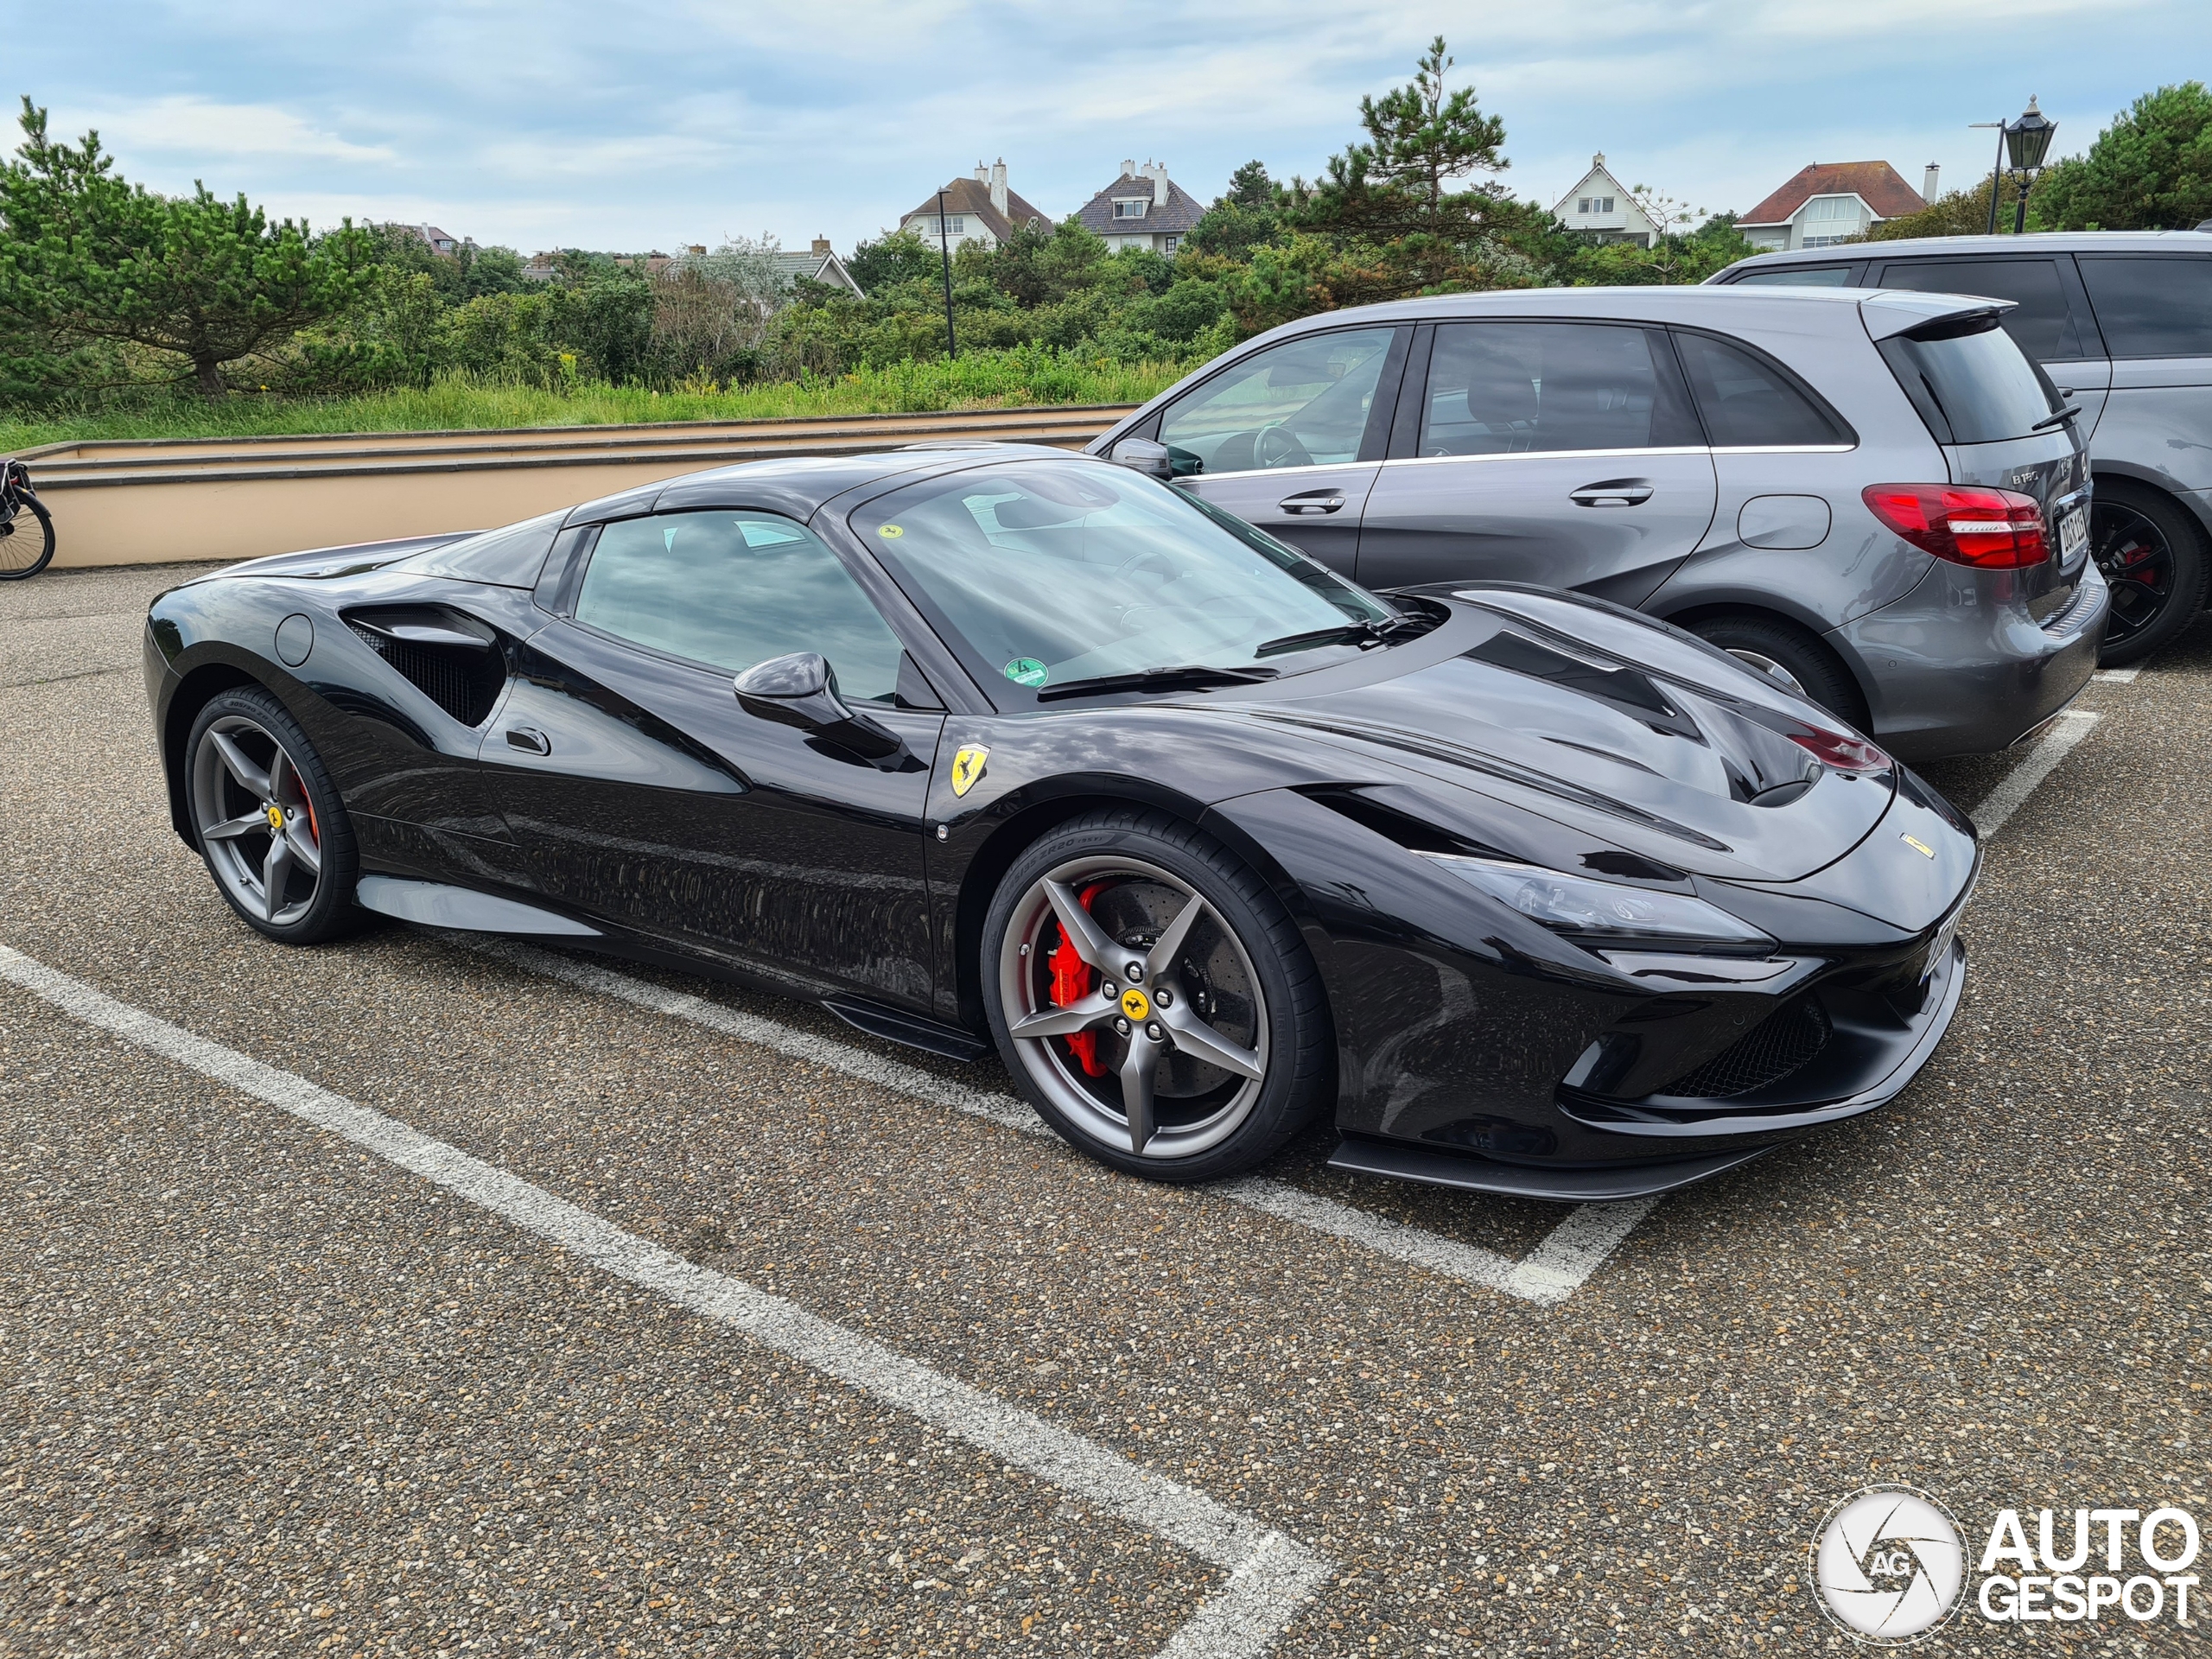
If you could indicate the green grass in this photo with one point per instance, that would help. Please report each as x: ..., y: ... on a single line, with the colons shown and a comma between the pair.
x: 988, y: 379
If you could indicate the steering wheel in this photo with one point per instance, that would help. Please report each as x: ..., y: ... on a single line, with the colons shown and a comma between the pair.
x: 1277, y: 446
x: 1151, y: 558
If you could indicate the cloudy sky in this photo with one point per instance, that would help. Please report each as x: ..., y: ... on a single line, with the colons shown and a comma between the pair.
x: 560, y: 124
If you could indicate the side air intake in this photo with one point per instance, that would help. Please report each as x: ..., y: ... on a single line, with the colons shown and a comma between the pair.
x: 452, y: 659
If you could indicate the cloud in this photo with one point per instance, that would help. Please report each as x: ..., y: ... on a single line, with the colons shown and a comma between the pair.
x: 184, y: 124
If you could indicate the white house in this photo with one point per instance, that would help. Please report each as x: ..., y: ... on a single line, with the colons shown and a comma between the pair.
x: 978, y: 209
x: 1832, y: 202
x: 1601, y: 205
x: 1143, y: 208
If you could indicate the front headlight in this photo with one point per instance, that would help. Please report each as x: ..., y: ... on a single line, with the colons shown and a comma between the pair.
x: 1604, y: 911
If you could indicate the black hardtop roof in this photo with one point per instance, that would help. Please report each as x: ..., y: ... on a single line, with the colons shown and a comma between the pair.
x: 798, y: 486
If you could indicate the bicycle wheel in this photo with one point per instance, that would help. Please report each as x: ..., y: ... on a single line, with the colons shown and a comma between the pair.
x: 26, y: 540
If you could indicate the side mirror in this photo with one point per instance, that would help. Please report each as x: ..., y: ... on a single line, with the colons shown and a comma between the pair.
x: 801, y: 690
x: 1143, y: 455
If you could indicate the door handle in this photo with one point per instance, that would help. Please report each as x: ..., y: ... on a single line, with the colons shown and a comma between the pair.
x: 1312, y: 501
x: 530, y: 739
x: 1614, y: 493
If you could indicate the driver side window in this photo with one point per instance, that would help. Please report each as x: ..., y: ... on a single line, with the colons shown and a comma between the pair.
x: 731, y: 589
x: 1305, y: 402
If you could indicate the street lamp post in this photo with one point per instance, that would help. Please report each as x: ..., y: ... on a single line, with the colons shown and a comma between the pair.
x: 2029, y: 141
x: 944, y: 252
x: 1996, y: 170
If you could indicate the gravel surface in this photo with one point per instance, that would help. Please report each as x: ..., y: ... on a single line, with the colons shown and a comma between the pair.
x: 260, y: 1392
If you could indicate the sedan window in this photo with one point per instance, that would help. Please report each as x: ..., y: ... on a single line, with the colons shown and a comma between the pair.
x: 731, y: 589
x: 1303, y: 403
x: 1748, y: 403
x: 1041, y: 573
x: 1516, y: 388
x: 2041, y: 320
x: 2151, y: 304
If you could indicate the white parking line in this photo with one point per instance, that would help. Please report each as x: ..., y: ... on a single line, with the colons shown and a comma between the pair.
x: 2002, y: 802
x: 1548, y: 1275
x: 2117, y: 675
x: 1270, y: 1575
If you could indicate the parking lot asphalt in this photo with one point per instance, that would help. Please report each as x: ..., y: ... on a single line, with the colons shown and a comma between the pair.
x: 264, y: 1388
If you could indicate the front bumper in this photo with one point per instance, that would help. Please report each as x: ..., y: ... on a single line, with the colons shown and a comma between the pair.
x: 1959, y: 666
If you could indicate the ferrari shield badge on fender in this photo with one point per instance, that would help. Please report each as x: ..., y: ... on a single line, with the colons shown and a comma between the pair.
x: 968, y: 766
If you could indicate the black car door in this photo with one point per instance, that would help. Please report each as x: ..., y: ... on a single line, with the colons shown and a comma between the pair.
x: 641, y: 792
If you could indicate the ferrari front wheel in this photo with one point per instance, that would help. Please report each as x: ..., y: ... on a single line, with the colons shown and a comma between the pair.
x: 268, y: 820
x: 1153, y: 999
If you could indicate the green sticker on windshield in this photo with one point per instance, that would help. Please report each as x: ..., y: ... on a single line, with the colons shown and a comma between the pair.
x: 1027, y: 670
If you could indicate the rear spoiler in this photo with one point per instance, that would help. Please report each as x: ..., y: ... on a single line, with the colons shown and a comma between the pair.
x: 1890, y: 312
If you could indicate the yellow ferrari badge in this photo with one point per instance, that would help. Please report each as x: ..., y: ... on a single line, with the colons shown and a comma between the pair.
x: 1134, y: 1004
x: 1918, y: 846
x: 275, y: 816
x: 968, y: 766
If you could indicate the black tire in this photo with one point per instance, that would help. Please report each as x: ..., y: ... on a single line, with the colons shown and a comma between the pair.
x: 2153, y: 554
x: 221, y: 805
x: 26, y: 541
x: 1138, y: 857
x: 1757, y: 641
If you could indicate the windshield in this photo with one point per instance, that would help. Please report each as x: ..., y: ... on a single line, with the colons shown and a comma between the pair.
x: 1045, y: 573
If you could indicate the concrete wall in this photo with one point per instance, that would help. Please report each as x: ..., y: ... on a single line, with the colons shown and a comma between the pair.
x: 161, y: 502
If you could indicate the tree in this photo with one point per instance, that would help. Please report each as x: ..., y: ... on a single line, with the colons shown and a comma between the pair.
x: 89, y: 257
x: 1963, y: 213
x: 1392, y: 193
x: 2150, y: 170
x: 894, y: 257
x: 1241, y: 217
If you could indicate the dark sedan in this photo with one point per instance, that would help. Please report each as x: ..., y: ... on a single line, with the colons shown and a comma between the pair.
x: 1003, y: 747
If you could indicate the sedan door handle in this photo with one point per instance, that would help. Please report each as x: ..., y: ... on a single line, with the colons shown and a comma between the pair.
x: 1312, y: 501
x: 1614, y: 493
x: 531, y: 739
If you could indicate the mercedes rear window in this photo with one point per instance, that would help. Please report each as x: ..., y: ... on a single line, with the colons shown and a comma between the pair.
x: 1971, y: 382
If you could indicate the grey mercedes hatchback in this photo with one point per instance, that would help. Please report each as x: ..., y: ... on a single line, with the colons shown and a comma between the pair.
x: 1874, y: 497
x: 2122, y: 321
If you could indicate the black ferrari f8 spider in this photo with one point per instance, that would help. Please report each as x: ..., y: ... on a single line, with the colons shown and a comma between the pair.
x: 996, y: 747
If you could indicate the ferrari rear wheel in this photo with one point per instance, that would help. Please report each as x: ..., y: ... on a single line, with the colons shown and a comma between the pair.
x: 269, y: 824
x: 1152, y: 998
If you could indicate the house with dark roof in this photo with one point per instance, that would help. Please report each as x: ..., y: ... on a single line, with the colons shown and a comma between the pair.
x: 1832, y: 202
x: 1143, y: 208
x: 979, y: 208
x: 818, y: 264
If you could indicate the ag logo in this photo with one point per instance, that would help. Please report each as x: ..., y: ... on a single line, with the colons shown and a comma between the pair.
x: 1888, y: 1565
x: 968, y: 766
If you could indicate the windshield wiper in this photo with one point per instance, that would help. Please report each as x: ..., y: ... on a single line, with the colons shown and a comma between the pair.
x: 2065, y: 414
x: 1184, y: 677
x: 1350, y: 633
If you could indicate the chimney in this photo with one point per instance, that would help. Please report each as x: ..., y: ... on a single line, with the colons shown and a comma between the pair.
x: 998, y: 186
x: 1157, y: 171
x: 696, y: 247
x: 822, y: 244
x: 1128, y: 169
x: 982, y: 174
x: 1928, y: 185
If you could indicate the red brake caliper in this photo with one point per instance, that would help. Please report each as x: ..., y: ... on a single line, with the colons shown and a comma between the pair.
x: 1072, y: 981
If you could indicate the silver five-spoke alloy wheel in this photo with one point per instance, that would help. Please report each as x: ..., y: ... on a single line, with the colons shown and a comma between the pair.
x: 249, y: 807
x: 1161, y: 1045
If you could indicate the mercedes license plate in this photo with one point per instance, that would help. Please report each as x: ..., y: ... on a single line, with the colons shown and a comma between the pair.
x: 2073, y: 534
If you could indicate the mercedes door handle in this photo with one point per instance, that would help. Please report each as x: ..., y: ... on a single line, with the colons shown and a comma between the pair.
x: 1614, y: 493
x: 1312, y: 501
x: 530, y: 739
